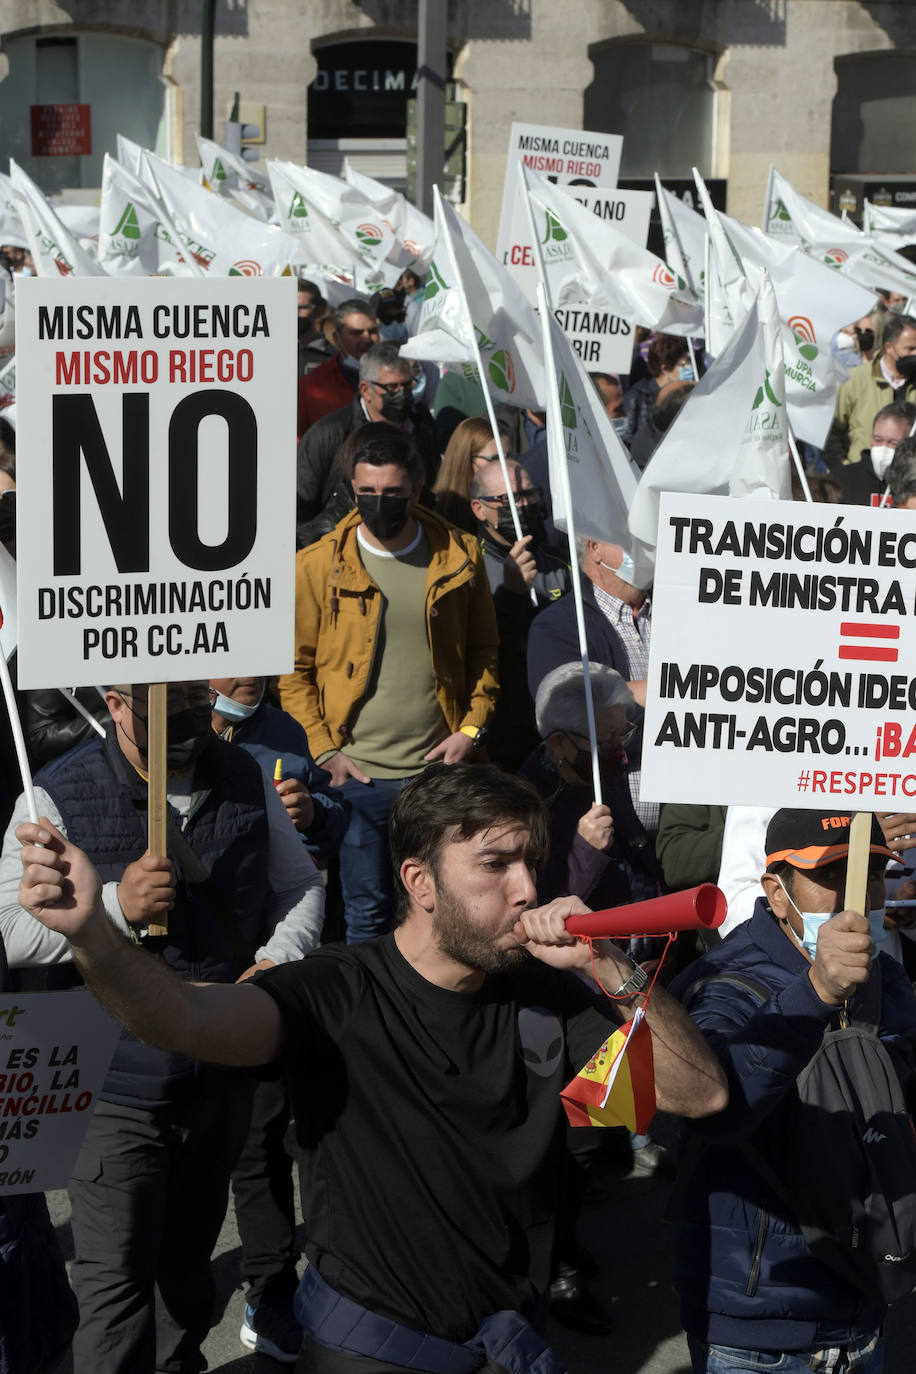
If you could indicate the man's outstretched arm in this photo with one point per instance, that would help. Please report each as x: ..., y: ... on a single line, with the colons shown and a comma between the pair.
x: 223, y: 1023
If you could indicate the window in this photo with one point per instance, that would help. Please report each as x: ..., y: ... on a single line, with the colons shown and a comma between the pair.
x: 873, y: 113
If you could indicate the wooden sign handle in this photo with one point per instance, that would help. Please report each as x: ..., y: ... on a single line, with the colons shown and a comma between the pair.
x: 857, y: 863
x: 157, y: 730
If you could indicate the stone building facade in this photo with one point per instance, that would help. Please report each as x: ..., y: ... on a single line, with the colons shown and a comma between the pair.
x: 819, y: 87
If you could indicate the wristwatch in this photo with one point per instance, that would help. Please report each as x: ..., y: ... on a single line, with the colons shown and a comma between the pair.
x: 477, y: 734
x: 633, y: 985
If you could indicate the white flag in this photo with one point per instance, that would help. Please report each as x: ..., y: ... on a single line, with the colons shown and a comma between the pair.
x: 730, y: 438
x: 581, y: 437
x: 414, y: 232
x: 318, y: 243
x: 12, y: 230
x: 469, y: 296
x: 684, y: 235
x: 133, y: 238
x: 586, y: 259
x: 834, y: 241
x: 339, y: 207
x: 8, y: 621
x: 235, y: 179
x: 55, y: 251
x: 732, y: 279
x: 222, y: 240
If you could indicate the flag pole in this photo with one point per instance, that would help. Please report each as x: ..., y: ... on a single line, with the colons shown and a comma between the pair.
x: 799, y: 465
x: 22, y: 757
x: 487, y: 398
x: 563, y: 470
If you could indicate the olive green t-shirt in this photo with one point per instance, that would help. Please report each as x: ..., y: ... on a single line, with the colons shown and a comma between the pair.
x: 400, y: 719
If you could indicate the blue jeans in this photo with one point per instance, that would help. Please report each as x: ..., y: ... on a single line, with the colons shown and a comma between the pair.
x: 366, y: 879
x: 864, y: 1357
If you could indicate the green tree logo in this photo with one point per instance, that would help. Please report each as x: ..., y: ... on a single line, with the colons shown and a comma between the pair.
x: 297, y: 209
x: 128, y: 224
x: 483, y: 340
x: 435, y: 283
x: 219, y: 171
x: 765, y: 391
x: 502, y: 371
x: 555, y: 231
x: 567, y: 405
x: 782, y: 213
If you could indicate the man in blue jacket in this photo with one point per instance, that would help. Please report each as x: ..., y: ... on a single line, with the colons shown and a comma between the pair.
x: 752, y: 1293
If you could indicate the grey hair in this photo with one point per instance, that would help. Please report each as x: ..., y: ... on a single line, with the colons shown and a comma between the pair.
x: 901, y: 475
x: 560, y: 701
x: 379, y: 356
x: 354, y: 306
x: 581, y: 546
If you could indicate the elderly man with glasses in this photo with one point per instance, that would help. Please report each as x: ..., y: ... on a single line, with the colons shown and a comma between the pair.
x: 236, y: 889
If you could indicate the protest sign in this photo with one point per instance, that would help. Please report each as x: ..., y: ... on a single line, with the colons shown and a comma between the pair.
x: 156, y: 513
x: 778, y: 675
x: 54, y: 1053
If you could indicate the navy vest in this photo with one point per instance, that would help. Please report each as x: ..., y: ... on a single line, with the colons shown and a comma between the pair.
x: 102, y: 802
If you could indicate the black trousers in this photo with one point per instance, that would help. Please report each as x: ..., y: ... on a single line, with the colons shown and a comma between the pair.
x: 262, y: 1188
x: 148, y: 1198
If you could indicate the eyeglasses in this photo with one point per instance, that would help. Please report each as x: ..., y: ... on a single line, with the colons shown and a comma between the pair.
x: 195, y: 697
x: 530, y: 496
x: 393, y: 388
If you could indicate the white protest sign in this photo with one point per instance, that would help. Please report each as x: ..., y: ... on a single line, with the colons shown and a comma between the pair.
x: 55, y: 1048
x: 783, y: 644
x: 156, y: 516
x: 603, y: 340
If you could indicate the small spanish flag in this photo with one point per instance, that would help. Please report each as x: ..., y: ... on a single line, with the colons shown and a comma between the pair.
x: 617, y: 1085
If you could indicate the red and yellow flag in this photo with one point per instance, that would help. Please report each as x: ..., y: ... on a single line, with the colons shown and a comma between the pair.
x: 617, y: 1085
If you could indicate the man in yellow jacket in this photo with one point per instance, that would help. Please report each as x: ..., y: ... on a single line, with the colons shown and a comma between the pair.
x: 396, y: 650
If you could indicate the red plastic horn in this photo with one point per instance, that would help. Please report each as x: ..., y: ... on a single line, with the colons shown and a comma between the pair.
x: 698, y: 908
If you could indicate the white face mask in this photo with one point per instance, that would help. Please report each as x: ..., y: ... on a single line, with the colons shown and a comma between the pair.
x: 882, y: 455
x: 813, y: 920
x: 236, y: 711
x: 348, y: 360
x: 845, y: 342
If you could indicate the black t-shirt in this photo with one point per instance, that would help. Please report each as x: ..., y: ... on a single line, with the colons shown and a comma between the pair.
x: 431, y: 1127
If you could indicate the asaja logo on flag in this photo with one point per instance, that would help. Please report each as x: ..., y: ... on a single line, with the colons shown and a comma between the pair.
x: 483, y: 340
x: 555, y: 231
x: 567, y: 405
x: 782, y: 213
x: 805, y: 336
x: 835, y: 257
x: 128, y: 225
x: 502, y: 370
x: 765, y: 392
x: 297, y: 209
x: 369, y: 235
x: 246, y: 267
x: 435, y: 283
x: 219, y: 171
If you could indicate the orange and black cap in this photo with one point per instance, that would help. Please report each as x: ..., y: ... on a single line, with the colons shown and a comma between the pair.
x: 811, y: 839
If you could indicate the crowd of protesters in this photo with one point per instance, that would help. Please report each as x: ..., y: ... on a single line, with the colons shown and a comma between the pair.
x: 412, y: 808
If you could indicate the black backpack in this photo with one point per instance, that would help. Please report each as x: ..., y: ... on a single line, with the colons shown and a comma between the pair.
x: 851, y: 1177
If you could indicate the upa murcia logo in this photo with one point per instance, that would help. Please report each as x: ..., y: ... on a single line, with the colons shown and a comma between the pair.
x: 805, y: 336
x: 128, y: 224
x: 246, y: 267
x: 369, y: 235
x: 435, y: 283
x: 663, y: 276
x: 835, y: 257
x: 502, y: 370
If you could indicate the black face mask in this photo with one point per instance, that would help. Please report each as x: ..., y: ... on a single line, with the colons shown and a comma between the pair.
x: 397, y: 408
x: 188, y: 734
x: 608, y: 762
x: 906, y: 366
x: 383, y: 516
x: 530, y: 518
x: 866, y: 339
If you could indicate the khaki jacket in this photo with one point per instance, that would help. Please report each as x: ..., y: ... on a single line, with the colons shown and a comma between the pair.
x: 338, y: 607
x: 858, y: 401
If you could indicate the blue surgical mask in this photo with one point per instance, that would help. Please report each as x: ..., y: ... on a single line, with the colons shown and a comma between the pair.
x: 813, y: 920
x: 625, y: 572
x: 394, y: 332
x: 686, y: 373
x: 235, y: 711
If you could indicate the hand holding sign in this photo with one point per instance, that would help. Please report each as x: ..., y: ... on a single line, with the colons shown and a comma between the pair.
x: 842, y: 958
x: 59, y: 885
x: 147, y: 889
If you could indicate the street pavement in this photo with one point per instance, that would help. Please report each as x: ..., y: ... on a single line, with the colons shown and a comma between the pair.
x: 624, y: 1226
